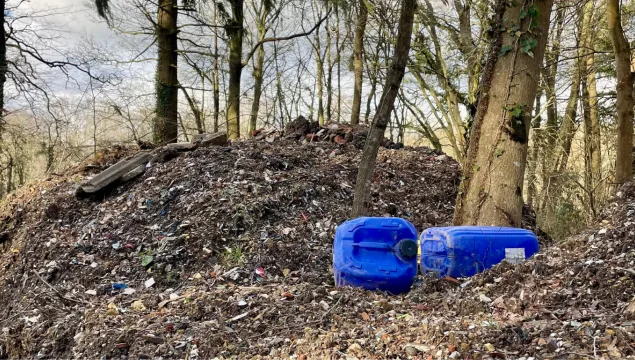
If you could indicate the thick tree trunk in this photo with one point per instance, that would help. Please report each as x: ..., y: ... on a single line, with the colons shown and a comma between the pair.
x: 167, y: 83
x: 235, y: 32
x: 382, y: 116
x: 491, y: 191
x: 624, y: 152
x: 358, y: 62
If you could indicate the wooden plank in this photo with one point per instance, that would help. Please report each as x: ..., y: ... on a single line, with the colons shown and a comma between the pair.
x: 114, y: 173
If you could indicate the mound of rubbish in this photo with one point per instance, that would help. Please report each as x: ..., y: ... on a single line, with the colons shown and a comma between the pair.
x: 213, y: 252
x: 304, y: 130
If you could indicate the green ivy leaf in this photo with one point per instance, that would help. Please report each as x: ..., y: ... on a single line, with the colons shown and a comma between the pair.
x: 533, y: 11
x: 527, y: 44
x: 517, y: 111
x: 146, y: 260
x: 499, y: 152
x: 523, y: 14
x: 476, y: 167
x: 505, y: 49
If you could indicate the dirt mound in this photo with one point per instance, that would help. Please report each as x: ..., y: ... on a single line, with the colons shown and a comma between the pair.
x: 222, y: 251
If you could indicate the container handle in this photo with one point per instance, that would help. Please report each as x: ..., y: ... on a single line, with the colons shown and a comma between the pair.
x: 373, y: 245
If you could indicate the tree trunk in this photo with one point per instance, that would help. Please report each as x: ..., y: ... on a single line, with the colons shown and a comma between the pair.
x: 183, y: 129
x: 234, y: 30
x: 216, y: 76
x: 279, y: 93
x: 338, y: 60
x: 382, y: 116
x: 592, y: 95
x: 447, y: 124
x: 3, y: 69
x: 258, y: 71
x: 329, y: 73
x: 491, y: 189
x: 549, y: 132
x: 549, y: 76
x: 567, y: 131
x: 372, y: 70
x: 319, y: 60
x: 624, y: 152
x: 451, y: 96
x: 195, y: 110
x: 167, y: 83
x: 532, y: 163
x: 358, y: 62
x: 9, y: 186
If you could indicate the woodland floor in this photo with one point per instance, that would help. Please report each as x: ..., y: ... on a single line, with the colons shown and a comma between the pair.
x: 226, y: 252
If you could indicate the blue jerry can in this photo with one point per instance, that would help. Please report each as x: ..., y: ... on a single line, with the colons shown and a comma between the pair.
x: 376, y: 254
x: 462, y: 251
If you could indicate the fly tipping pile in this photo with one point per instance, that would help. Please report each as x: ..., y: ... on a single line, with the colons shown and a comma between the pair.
x: 226, y: 252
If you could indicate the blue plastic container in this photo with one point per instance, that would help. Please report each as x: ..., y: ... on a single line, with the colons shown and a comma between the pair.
x: 462, y: 251
x: 376, y: 254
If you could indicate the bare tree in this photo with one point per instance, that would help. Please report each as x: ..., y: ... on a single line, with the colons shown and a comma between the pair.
x: 386, y: 106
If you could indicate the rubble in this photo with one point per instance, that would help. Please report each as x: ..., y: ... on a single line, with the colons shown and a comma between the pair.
x: 307, y: 131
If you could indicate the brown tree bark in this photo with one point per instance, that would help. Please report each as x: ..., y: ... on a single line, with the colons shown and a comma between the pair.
x: 624, y: 152
x: 591, y: 94
x: 258, y: 71
x: 387, y: 103
x: 216, y: 75
x: 3, y: 68
x: 329, y: 73
x: 491, y: 191
x: 358, y: 62
x: 167, y: 83
x: 235, y: 31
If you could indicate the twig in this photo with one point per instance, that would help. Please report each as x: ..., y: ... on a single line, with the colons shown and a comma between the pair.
x: 57, y: 292
x: 595, y: 351
x: 331, y: 309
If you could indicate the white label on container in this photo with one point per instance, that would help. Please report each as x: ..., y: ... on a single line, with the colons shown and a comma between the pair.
x: 515, y: 255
